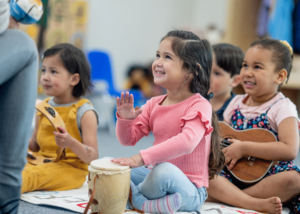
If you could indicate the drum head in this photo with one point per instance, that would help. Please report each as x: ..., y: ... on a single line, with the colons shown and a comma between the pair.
x: 107, y: 165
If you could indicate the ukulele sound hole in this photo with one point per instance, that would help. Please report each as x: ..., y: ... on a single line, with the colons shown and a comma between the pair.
x: 50, y: 111
x: 47, y: 161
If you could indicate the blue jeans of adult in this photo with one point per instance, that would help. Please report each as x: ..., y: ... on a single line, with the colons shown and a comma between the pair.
x: 18, y: 90
x: 166, y: 178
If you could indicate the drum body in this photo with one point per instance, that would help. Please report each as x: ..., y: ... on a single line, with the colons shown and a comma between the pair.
x: 112, y: 185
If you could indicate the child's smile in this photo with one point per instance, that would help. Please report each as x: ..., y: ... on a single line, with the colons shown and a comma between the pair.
x: 159, y: 72
x: 249, y: 84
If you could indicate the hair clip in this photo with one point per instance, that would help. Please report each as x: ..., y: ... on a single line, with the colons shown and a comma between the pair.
x: 284, y: 42
x: 210, y: 95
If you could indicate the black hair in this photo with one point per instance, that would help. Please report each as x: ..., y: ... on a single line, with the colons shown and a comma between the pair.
x: 196, y: 55
x: 229, y: 57
x: 75, y: 62
x: 282, y: 55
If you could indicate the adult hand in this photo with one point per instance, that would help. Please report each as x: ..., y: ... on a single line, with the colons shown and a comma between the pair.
x: 63, y: 139
x: 125, y: 108
x: 134, y: 161
x: 13, y: 24
x: 233, y: 153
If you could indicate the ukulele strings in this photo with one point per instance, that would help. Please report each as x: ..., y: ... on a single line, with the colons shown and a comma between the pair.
x: 225, y: 143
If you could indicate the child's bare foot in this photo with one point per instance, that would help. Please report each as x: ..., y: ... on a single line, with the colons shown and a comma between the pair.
x: 270, y: 205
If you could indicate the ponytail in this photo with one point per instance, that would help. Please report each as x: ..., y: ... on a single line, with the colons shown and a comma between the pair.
x: 216, y: 156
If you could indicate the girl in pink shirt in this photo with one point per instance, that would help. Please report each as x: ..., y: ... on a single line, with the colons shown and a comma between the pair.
x: 267, y: 64
x: 186, y: 151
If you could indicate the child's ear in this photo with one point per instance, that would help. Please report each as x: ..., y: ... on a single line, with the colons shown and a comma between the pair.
x: 75, y: 79
x: 281, y: 76
x: 236, y: 79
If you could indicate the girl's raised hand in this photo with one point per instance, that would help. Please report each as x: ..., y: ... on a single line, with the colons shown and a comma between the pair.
x: 125, y: 107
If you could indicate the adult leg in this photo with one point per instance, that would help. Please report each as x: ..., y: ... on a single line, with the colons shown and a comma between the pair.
x: 222, y: 190
x: 18, y: 88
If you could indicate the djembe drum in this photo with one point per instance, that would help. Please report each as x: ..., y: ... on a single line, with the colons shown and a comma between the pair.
x: 109, y: 185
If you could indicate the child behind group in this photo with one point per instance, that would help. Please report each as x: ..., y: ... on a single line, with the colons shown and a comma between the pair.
x: 227, y: 63
x: 137, y: 80
x: 267, y: 64
x: 66, y: 77
x: 186, y: 150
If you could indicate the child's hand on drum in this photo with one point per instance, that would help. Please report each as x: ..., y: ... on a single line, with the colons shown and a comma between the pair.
x: 63, y: 139
x: 134, y: 161
x: 125, y: 107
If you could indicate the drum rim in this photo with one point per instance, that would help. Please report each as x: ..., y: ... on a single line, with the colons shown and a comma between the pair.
x: 119, y: 167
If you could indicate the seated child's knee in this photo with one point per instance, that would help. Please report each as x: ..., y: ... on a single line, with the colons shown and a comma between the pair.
x: 165, y: 171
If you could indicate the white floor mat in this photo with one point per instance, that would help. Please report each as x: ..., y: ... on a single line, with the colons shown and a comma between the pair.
x: 77, y: 199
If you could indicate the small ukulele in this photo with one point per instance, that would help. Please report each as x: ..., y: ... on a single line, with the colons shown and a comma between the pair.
x: 247, y: 169
x: 56, y: 121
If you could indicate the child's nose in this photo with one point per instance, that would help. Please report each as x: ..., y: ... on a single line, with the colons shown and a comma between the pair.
x: 159, y: 62
x: 45, y: 76
x: 248, y: 72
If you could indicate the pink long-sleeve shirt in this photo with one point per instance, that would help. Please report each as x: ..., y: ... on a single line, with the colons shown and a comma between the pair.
x: 182, y: 135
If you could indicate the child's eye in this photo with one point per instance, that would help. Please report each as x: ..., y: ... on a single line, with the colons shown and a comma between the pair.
x: 43, y: 70
x: 244, y: 65
x: 157, y: 55
x: 257, y: 67
x: 168, y: 57
x: 217, y: 73
x: 53, y: 72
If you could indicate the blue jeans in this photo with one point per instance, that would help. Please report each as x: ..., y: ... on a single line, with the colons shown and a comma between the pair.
x: 18, y: 89
x: 166, y: 178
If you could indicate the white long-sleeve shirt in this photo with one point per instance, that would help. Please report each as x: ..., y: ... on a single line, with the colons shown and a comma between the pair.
x: 4, y: 15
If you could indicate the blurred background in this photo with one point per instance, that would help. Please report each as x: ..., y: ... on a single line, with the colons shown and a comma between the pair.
x: 120, y: 38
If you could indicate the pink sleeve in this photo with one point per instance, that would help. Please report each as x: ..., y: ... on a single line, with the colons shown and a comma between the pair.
x: 129, y: 132
x: 195, y: 125
x: 284, y: 109
x: 230, y: 108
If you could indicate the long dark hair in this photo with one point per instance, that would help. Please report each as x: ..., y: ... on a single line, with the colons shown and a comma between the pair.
x: 196, y: 55
x: 75, y: 62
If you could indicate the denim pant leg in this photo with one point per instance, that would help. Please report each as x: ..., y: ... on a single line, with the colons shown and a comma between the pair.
x: 18, y: 89
x: 165, y: 179
x: 139, y: 174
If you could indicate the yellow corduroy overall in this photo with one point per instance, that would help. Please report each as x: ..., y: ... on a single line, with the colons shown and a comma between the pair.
x: 69, y: 173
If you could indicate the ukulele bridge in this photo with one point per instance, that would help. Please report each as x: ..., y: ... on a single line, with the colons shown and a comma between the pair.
x: 250, y: 161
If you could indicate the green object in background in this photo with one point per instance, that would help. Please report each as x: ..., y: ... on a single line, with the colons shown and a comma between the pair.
x: 44, y: 20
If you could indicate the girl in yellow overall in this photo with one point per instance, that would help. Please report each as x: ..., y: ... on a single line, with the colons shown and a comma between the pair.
x: 65, y: 77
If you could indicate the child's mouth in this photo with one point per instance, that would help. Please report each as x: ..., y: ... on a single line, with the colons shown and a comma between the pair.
x: 249, y: 84
x: 160, y: 72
